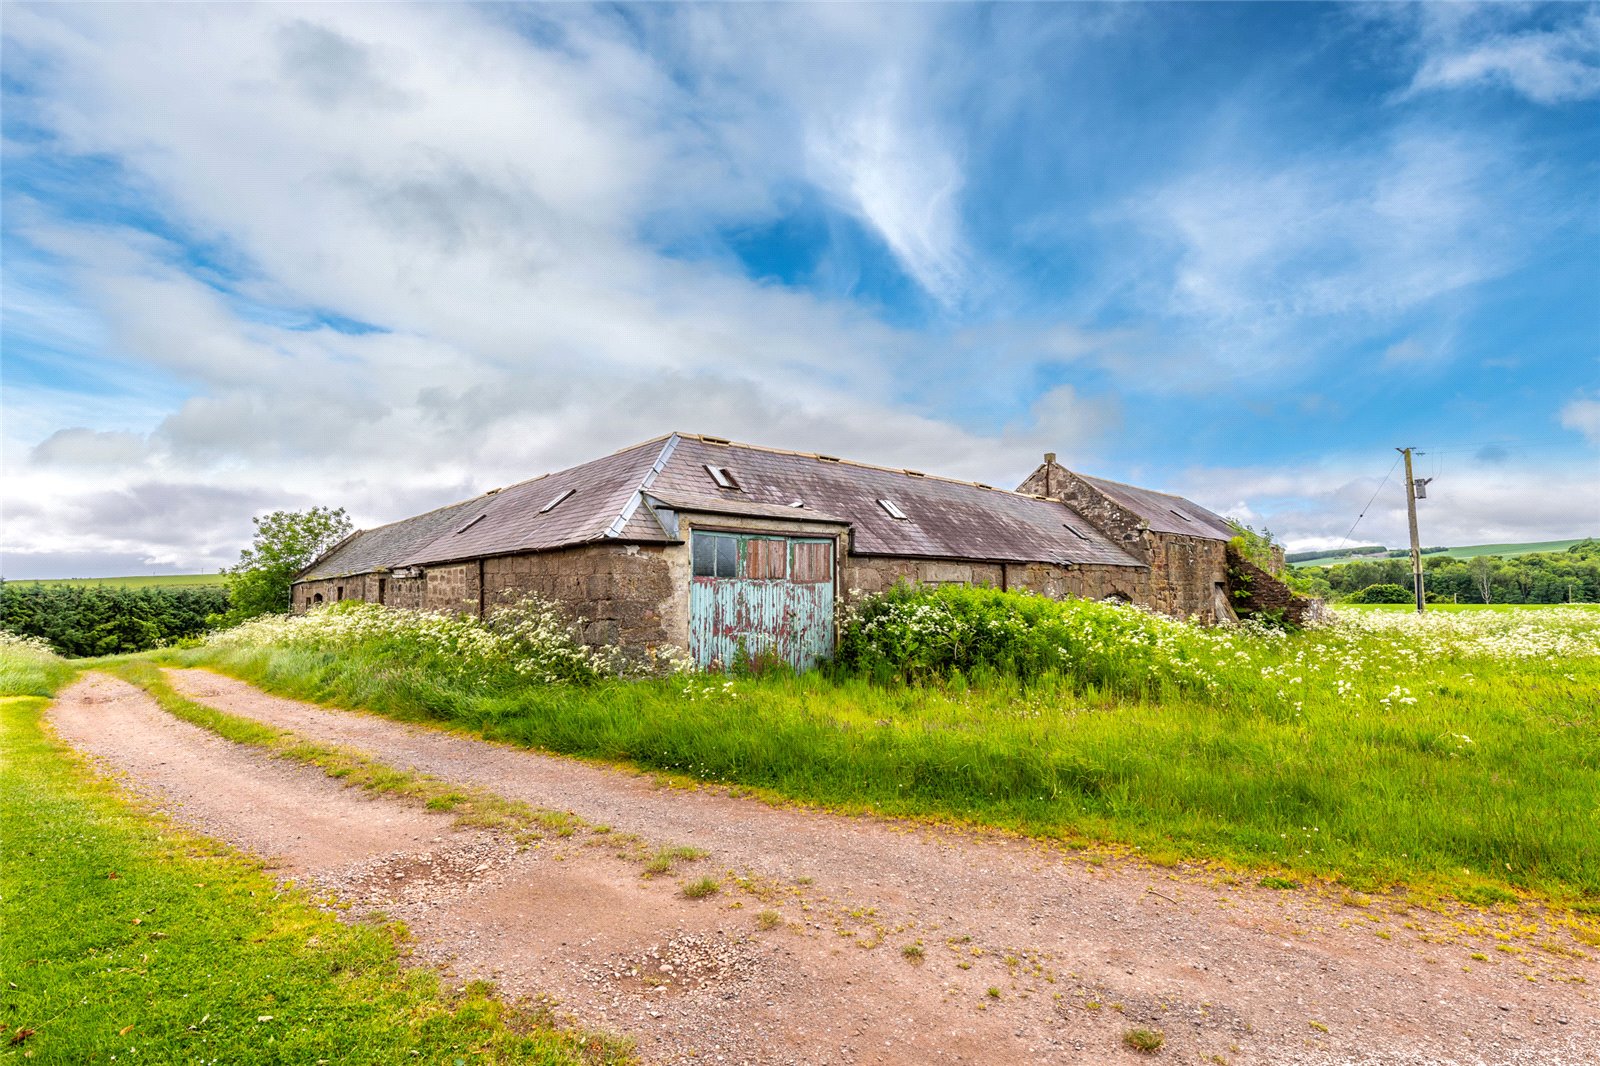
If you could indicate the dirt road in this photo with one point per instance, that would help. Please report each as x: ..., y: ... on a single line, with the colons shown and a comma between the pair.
x: 1028, y: 953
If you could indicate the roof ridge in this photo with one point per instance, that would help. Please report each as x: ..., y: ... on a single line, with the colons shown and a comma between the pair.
x: 1130, y: 485
x: 902, y: 470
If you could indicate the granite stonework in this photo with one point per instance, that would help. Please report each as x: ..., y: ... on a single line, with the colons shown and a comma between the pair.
x: 1186, y: 573
x: 865, y: 575
x: 1255, y: 592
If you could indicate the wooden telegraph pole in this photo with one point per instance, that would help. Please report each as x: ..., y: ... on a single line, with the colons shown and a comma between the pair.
x: 1412, y: 485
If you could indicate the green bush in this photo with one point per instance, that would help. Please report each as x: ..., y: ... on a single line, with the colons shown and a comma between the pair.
x: 1385, y: 593
x: 975, y: 634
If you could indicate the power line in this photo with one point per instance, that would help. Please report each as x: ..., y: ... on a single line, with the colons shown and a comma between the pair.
x: 1368, y: 507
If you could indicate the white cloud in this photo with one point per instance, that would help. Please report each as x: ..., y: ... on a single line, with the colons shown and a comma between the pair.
x: 1549, y: 66
x: 1583, y: 415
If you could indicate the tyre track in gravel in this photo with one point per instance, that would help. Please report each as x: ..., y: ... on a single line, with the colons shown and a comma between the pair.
x: 1077, y: 953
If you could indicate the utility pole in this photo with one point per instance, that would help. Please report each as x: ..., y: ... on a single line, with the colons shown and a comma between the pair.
x: 1412, y: 485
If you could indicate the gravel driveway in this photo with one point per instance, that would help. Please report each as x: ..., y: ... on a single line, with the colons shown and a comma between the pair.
x: 1029, y: 953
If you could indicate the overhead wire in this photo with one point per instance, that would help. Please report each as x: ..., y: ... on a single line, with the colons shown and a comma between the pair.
x: 1368, y: 507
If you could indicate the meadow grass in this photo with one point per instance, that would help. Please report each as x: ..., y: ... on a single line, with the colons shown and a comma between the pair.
x: 1457, y: 752
x: 127, y: 938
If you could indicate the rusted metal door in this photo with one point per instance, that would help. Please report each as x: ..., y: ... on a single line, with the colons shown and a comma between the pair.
x: 755, y: 595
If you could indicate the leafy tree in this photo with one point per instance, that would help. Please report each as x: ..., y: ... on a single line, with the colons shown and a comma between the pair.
x: 1482, y: 568
x: 285, y: 543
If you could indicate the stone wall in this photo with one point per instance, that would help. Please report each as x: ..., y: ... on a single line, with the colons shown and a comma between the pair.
x: 451, y: 589
x: 1253, y: 592
x: 867, y: 574
x: 624, y: 593
x: 1186, y: 573
x: 332, y: 590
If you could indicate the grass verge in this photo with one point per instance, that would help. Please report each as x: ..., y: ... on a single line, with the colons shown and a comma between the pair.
x: 125, y: 938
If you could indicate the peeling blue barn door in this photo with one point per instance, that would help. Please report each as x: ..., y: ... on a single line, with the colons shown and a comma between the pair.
x: 760, y: 595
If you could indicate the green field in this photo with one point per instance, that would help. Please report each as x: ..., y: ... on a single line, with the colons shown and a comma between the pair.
x: 1503, y: 550
x: 145, y: 582
x: 1460, y: 607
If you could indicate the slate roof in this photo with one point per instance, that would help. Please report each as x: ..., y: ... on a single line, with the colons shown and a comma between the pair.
x: 945, y: 518
x: 1164, y: 512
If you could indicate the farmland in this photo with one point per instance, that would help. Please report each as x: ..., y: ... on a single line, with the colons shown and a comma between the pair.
x: 1456, y: 751
x: 145, y: 581
x: 1469, y: 551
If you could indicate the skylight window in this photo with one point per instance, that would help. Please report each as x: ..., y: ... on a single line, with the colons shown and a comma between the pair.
x: 1076, y: 532
x: 891, y: 510
x: 723, y: 477
x: 1180, y: 514
x: 472, y: 523
x: 553, y: 504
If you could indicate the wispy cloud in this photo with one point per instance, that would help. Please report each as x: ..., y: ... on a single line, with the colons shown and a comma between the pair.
x: 1549, y: 66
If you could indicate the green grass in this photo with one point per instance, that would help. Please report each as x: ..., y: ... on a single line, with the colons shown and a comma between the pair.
x: 1503, y: 550
x: 1467, y: 607
x: 136, y: 582
x: 127, y: 938
x: 1291, y: 763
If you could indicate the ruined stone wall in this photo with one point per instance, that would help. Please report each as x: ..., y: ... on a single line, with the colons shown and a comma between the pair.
x: 1253, y: 591
x: 625, y: 593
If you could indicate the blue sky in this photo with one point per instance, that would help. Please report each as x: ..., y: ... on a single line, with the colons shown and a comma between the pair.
x: 385, y: 257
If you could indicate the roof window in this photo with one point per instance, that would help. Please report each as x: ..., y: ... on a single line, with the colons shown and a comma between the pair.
x: 891, y: 510
x: 723, y: 477
x: 472, y: 523
x: 828, y: 458
x: 553, y: 504
x: 1180, y: 514
x: 1076, y: 532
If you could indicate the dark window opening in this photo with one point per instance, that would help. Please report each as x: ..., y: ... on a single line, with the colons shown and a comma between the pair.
x: 317, y: 598
x: 716, y: 555
x: 383, y: 589
x: 338, y: 592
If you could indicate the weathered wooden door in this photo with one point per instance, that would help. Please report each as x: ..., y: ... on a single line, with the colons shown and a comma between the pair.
x: 760, y: 594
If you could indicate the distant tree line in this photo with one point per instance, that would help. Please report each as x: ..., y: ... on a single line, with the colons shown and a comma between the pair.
x: 1540, y: 577
x: 83, y: 620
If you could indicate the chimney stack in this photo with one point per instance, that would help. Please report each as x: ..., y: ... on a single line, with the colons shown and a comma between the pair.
x: 1049, y: 457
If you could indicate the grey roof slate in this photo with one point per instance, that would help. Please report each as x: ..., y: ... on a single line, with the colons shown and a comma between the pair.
x: 1163, y: 511
x: 945, y: 519
x: 383, y: 548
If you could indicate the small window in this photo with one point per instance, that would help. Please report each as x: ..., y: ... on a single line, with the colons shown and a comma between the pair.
x: 716, y: 555
x: 1180, y: 514
x: 472, y: 523
x: 553, y: 504
x: 1076, y: 532
x: 722, y: 476
x: 891, y: 510
x: 316, y: 598
x: 338, y: 592
x: 383, y: 590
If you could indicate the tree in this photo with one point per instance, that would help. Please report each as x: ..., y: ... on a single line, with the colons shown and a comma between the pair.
x: 1483, y: 568
x: 286, y: 542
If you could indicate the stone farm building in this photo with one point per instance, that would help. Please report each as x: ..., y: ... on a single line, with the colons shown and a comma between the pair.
x: 708, y: 545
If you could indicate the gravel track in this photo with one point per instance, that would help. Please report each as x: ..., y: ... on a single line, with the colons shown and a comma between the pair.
x: 1076, y: 952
